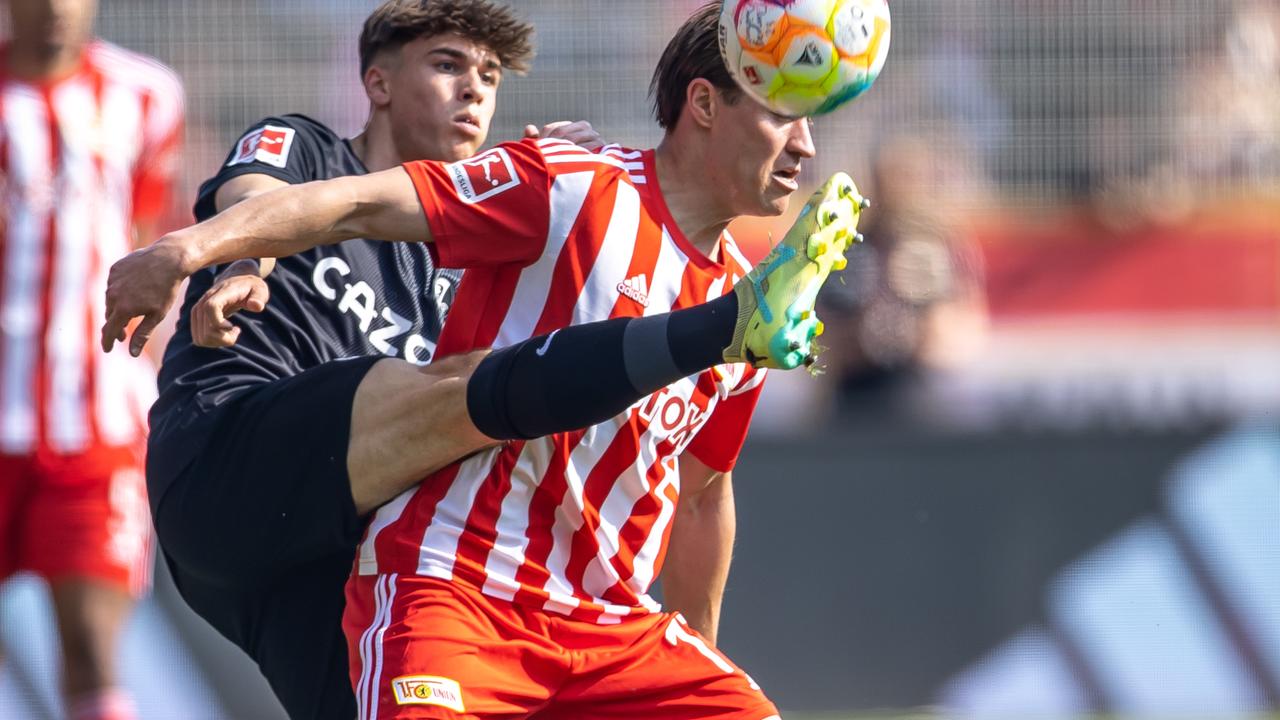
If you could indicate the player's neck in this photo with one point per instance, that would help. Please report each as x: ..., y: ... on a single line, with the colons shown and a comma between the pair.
x: 32, y: 63
x: 690, y: 195
x: 374, y: 145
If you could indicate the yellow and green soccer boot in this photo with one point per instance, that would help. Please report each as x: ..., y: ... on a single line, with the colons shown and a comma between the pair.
x: 776, y: 322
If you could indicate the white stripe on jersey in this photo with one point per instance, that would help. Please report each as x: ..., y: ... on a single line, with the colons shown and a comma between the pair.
x: 583, y: 158
x: 735, y: 253
x: 512, y: 541
x: 439, y: 543
x: 618, y: 152
x: 140, y: 73
x: 671, y: 263
x: 385, y: 515
x: 24, y: 117
x: 121, y: 108
x: 751, y: 384
x: 568, y: 516
x: 600, y: 291
x: 564, y: 148
x: 716, y: 288
x: 548, y: 144
x: 67, y: 333
x: 568, y: 193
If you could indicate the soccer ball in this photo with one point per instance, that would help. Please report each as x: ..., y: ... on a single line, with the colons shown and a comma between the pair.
x: 804, y: 57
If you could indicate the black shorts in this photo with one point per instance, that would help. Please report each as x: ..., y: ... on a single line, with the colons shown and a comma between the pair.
x: 260, y: 531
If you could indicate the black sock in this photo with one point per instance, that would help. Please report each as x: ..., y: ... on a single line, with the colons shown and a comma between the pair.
x: 582, y: 375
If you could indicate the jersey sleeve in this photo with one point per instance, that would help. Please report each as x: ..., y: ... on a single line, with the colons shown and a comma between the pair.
x: 155, y: 174
x: 285, y: 148
x: 719, y: 441
x: 489, y: 210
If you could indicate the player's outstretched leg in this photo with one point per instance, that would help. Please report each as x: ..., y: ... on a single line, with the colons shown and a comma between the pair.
x: 776, y: 321
x: 582, y: 375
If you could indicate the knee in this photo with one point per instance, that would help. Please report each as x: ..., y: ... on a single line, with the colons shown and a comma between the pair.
x: 440, y: 403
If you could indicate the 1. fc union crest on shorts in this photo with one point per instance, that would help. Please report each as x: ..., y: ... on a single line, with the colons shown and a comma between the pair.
x: 428, y: 690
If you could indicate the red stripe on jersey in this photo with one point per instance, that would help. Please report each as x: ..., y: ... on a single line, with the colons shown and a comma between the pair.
x: 427, y: 496
x: 469, y: 325
x: 481, y: 529
x: 693, y: 288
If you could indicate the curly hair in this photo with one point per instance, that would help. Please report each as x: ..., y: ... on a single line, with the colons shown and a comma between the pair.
x: 495, y: 26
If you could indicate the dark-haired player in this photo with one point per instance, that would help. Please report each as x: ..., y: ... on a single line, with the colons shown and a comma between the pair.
x: 254, y: 439
x: 513, y: 583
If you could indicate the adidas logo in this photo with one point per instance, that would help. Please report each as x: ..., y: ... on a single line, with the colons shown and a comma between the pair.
x: 636, y: 288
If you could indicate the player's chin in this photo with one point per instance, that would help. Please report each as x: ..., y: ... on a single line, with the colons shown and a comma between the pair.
x: 775, y: 202
x: 463, y: 150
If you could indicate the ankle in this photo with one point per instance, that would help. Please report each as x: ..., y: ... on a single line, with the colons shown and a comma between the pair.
x: 106, y: 704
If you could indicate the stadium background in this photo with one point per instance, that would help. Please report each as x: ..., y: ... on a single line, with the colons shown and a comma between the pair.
x: 1055, y: 492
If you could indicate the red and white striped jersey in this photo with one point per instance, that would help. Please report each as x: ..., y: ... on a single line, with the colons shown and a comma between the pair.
x: 576, y: 523
x: 82, y: 160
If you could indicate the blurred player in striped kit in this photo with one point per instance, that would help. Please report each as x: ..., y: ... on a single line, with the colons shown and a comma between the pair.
x: 88, y: 139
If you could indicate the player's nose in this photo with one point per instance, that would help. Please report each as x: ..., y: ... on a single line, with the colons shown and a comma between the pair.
x: 471, y: 86
x: 800, y: 139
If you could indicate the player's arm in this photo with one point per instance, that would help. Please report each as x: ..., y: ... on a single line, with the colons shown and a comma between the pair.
x: 240, y: 285
x: 701, y: 546
x: 239, y: 189
x: 272, y: 224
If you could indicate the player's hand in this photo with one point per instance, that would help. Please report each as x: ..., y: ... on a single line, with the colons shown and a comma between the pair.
x: 579, y: 133
x: 143, y: 284
x: 237, y: 288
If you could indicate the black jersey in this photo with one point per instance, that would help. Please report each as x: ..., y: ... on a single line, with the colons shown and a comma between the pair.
x: 352, y: 299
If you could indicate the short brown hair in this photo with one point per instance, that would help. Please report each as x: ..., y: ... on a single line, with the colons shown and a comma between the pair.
x: 694, y: 52
x: 495, y: 26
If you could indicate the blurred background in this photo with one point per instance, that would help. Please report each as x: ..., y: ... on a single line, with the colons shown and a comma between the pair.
x: 1039, y: 474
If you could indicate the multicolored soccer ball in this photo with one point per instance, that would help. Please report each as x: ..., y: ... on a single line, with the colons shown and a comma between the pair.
x: 804, y: 57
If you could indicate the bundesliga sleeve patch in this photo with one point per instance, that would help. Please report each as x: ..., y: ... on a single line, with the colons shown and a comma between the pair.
x: 269, y: 144
x: 483, y: 176
x: 428, y: 690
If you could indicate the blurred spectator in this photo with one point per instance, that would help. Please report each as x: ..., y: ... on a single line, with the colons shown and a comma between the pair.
x: 1233, y: 105
x: 1225, y: 117
x: 913, y: 299
x: 88, y: 142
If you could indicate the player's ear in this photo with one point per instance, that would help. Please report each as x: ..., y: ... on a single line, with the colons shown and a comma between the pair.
x: 701, y: 101
x: 377, y: 85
